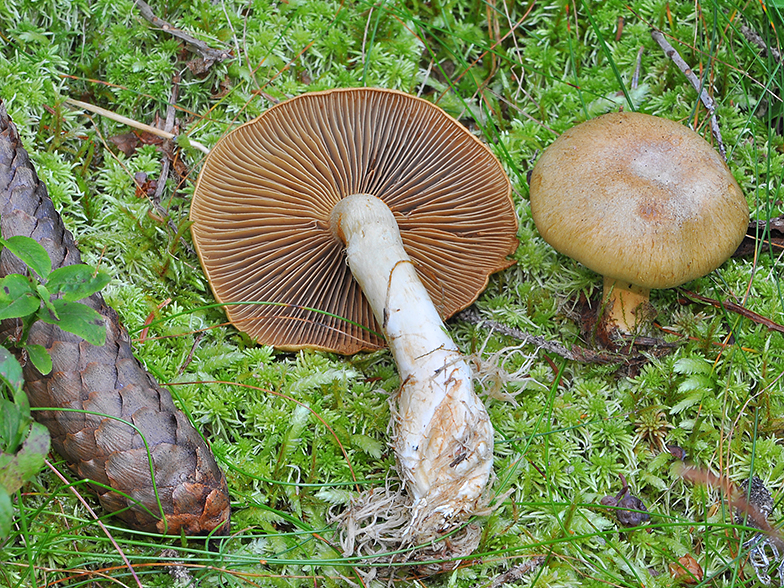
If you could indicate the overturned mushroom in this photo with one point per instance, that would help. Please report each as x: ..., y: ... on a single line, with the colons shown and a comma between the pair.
x: 421, y: 210
x: 644, y: 201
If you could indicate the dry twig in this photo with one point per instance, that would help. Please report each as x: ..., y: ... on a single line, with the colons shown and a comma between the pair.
x: 707, y: 101
x: 754, y: 38
x: 166, y: 161
x: 576, y: 353
x: 736, y: 308
x: 207, y: 53
x: 517, y: 572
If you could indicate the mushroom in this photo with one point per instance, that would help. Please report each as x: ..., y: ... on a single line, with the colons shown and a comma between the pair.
x: 643, y: 201
x: 422, y: 212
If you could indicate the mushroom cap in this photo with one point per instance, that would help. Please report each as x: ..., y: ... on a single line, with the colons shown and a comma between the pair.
x: 638, y: 198
x: 263, y: 200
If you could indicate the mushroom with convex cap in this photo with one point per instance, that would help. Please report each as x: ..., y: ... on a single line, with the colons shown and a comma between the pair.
x: 344, y: 219
x: 644, y: 201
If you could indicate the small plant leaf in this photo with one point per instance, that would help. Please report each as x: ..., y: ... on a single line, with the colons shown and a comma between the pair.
x: 43, y: 292
x: 13, y: 286
x: 372, y: 447
x: 33, y: 37
x: 31, y: 253
x: 17, y: 297
x: 40, y: 358
x: 6, y: 513
x: 15, y: 421
x: 692, y: 365
x: 21, y: 400
x: 45, y: 296
x: 12, y: 426
x: 335, y: 495
x: 16, y: 469
x: 75, y: 282
x: 696, y: 382
x: 10, y: 370
x: 78, y: 319
x: 689, y: 401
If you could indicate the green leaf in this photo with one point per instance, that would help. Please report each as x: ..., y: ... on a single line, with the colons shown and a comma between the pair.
x: 371, y: 446
x: 21, y: 400
x: 33, y: 36
x: 17, y: 297
x: 12, y: 426
x: 30, y: 252
x: 6, y: 514
x: 15, y: 421
x: 43, y: 292
x: 10, y: 370
x: 692, y: 365
x: 75, y: 282
x: 13, y: 286
x: 16, y: 469
x: 45, y: 296
x: 655, y: 481
x: 335, y: 495
x: 696, y: 382
x: 40, y: 358
x: 78, y: 319
x: 689, y: 401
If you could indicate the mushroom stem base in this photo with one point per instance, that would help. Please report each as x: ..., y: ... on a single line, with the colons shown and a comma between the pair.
x: 443, y: 436
x: 625, y: 305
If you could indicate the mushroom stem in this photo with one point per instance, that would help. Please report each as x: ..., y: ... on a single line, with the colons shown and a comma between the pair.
x: 443, y: 436
x: 625, y: 304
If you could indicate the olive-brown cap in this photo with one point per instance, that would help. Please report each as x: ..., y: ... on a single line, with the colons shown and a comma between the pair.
x: 638, y: 198
x: 263, y: 200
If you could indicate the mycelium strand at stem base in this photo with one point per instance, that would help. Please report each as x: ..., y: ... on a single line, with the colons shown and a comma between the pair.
x: 443, y: 436
x: 626, y: 305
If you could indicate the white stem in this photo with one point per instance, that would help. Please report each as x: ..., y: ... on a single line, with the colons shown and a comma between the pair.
x: 443, y: 436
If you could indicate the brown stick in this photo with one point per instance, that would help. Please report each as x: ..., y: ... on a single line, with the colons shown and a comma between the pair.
x: 166, y: 164
x: 737, y: 309
x: 670, y: 52
x: 754, y: 38
x: 517, y: 572
x: 579, y: 354
x: 201, y: 48
x: 168, y: 127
